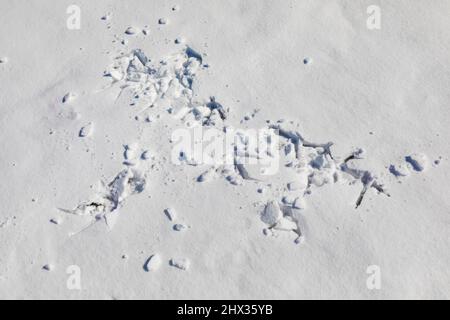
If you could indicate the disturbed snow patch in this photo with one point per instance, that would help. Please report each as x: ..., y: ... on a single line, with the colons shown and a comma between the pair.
x: 168, y: 86
x: 311, y: 166
x: 104, y: 204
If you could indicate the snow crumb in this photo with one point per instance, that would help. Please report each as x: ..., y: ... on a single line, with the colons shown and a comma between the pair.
x: 48, y: 267
x: 86, y: 131
x: 162, y: 21
x: 179, y: 227
x: 170, y: 214
x: 153, y: 263
x: 132, y: 31
x: 179, y: 40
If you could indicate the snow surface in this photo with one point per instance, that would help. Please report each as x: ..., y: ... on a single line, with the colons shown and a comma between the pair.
x: 96, y: 187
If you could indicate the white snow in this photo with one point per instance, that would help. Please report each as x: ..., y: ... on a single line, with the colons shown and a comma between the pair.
x: 355, y: 173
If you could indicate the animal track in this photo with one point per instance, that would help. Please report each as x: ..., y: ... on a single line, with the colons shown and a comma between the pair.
x: 418, y: 161
x: 180, y: 263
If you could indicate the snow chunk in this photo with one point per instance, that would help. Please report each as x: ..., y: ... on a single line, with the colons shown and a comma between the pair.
x: 86, y: 130
x: 286, y: 224
x: 162, y: 21
x: 153, y: 263
x: 271, y: 213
